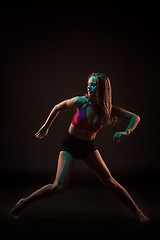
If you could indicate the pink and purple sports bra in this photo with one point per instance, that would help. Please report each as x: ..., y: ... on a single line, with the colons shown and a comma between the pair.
x: 80, y: 121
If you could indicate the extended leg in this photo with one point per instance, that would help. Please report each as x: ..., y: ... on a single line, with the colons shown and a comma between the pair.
x: 96, y: 163
x: 65, y: 165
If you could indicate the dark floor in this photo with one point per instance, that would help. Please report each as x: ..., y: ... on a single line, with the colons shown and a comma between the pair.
x: 77, y: 229
x: 83, y: 210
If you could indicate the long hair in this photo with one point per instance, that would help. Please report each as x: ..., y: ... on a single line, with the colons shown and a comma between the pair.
x: 104, y: 96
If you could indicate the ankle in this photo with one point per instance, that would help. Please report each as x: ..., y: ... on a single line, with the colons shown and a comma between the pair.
x: 138, y: 211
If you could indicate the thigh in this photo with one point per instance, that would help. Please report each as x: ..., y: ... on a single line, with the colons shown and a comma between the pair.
x: 65, y: 164
x: 95, y: 162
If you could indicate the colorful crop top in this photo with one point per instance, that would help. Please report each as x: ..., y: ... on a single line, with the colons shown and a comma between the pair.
x: 80, y: 121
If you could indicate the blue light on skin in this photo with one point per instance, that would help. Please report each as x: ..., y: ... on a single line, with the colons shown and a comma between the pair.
x: 92, y: 86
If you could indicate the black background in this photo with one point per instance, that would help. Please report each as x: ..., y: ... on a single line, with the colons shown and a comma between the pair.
x: 47, y: 55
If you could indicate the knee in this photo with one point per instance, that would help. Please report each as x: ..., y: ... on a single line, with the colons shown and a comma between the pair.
x: 112, y: 183
x: 56, y: 187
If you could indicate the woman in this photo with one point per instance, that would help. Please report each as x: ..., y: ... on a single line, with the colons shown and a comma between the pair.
x: 94, y: 110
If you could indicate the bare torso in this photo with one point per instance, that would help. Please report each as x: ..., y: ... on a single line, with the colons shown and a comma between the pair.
x: 81, y: 133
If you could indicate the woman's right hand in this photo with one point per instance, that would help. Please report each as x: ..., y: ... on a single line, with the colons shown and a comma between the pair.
x: 42, y: 132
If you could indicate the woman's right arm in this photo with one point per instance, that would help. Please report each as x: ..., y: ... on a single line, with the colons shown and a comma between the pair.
x: 69, y: 103
x: 75, y: 102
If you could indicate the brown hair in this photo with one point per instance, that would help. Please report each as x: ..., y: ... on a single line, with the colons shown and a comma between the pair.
x: 104, y: 97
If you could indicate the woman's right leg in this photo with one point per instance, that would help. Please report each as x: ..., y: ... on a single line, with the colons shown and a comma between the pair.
x: 65, y: 164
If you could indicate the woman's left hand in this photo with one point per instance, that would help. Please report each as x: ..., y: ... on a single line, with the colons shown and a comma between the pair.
x: 118, y: 136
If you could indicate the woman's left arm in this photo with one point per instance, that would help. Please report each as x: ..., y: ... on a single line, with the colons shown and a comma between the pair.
x: 134, y: 120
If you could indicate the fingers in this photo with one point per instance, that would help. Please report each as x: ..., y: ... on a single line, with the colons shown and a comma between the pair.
x: 117, y: 137
x: 116, y: 140
x: 117, y: 134
x: 38, y: 135
x: 41, y: 132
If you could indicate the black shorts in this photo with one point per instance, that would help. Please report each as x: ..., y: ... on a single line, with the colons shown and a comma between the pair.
x: 78, y: 148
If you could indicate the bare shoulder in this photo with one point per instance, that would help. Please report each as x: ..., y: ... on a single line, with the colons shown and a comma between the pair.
x: 121, y: 112
x: 74, y: 102
x: 80, y: 101
x: 116, y: 109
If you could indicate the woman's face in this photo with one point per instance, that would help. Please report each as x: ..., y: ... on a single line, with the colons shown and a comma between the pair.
x: 92, y: 86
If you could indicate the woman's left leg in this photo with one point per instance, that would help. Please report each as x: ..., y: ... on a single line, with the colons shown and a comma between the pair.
x: 98, y: 166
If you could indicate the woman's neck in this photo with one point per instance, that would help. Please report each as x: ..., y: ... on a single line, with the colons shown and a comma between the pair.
x: 95, y: 105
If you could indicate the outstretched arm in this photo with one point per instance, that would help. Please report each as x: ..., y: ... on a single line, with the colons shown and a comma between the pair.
x: 74, y: 102
x: 134, y: 120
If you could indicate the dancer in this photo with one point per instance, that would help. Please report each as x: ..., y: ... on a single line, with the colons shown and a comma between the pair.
x: 94, y: 110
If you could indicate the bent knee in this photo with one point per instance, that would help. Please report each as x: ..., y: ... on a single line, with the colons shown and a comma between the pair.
x: 56, y: 187
x: 112, y: 183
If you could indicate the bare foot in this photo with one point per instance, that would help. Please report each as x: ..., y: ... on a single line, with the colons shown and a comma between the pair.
x: 15, y: 212
x: 141, y: 217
